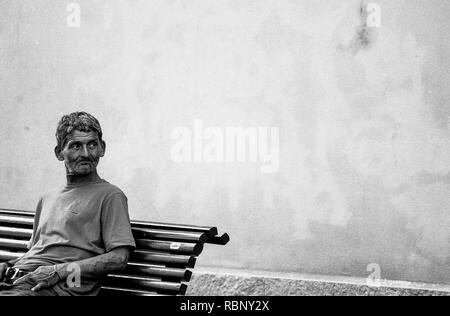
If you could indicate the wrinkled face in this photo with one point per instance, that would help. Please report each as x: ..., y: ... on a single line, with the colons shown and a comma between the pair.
x: 81, y: 152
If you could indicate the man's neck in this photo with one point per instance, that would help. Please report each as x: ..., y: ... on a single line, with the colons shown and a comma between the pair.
x: 82, y: 178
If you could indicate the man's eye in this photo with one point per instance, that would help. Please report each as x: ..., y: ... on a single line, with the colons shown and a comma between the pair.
x: 75, y: 147
x: 93, y: 145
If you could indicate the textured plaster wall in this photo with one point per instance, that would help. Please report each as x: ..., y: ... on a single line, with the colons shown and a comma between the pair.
x: 363, y: 113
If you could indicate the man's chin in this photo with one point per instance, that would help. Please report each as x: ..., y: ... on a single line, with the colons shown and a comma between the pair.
x: 81, y: 172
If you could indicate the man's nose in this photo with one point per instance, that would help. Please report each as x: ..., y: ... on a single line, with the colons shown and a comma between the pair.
x: 85, y: 152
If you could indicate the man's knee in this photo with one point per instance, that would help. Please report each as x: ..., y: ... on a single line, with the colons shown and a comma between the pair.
x: 15, y: 290
x: 17, y: 293
x: 24, y: 289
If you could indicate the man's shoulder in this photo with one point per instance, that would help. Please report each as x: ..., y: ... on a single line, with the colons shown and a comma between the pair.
x: 52, y: 192
x: 109, y: 189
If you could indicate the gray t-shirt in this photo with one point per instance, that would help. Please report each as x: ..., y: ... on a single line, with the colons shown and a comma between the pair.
x: 77, y: 222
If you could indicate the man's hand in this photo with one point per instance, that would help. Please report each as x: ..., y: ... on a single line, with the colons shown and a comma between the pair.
x: 44, y: 277
x: 3, y: 267
x: 98, y: 266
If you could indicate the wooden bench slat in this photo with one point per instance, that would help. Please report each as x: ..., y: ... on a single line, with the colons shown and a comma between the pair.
x: 16, y: 212
x: 209, y: 231
x: 162, y: 245
x: 144, y: 283
x: 170, y: 246
x: 6, y: 243
x: 16, y: 232
x: 219, y: 240
x: 138, y: 269
x: 163, y: 258
x: 118, y: 291
x: 169, y: 235
x: 17, y: 220
x: 8, y: 255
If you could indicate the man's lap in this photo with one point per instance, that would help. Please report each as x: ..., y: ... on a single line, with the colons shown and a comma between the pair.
x: 24, y: 289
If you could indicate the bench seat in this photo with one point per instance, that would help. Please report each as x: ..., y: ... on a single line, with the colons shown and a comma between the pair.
x: 160, y: 265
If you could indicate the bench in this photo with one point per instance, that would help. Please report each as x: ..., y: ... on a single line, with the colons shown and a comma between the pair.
x: 161, y: 264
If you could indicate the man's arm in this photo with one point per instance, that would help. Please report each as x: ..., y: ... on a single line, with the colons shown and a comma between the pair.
x: 98, y: 266
x: 48, y: 276
x: 12, y: 262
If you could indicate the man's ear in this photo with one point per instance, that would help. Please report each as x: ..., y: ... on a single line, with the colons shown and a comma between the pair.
x: 103, y: 149
x: 58, y: 153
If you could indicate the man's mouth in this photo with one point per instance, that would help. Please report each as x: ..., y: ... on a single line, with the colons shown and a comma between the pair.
x: 85, y: 163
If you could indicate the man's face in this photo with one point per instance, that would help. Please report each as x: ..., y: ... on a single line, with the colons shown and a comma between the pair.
x: 81, y: 152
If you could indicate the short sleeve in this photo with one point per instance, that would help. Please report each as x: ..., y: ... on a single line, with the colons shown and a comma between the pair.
x: 116, y: 227
x: 37, y: 216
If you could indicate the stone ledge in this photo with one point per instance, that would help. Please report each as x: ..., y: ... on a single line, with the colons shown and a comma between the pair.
x: 229, y: 284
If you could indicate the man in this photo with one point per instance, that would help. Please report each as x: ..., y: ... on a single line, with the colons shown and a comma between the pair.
x: 82, y: 227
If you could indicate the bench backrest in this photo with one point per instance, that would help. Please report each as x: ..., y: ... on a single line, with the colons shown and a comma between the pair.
x: 160, y: 265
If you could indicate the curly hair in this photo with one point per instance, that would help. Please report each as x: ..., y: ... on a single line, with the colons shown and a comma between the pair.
x: 81, y: 121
